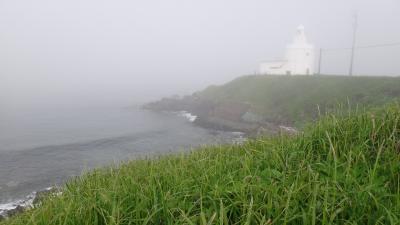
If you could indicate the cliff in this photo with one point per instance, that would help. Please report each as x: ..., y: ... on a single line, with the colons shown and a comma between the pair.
x: 270, y: 103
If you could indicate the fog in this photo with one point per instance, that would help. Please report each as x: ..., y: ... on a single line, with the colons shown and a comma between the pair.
x: 94, y: 51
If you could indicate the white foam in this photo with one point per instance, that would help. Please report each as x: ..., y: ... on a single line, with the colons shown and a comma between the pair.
x: 187, y: 115
x: 288, y: 129
x: 238, y: 137
x: 238, y: 133
x: 25, y: 203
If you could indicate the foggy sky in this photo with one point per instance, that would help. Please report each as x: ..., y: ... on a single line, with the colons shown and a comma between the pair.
x: 66, y: 51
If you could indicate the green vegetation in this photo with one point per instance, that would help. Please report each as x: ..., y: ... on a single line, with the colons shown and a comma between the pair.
x: 295, y: 99
x: 345, y: 169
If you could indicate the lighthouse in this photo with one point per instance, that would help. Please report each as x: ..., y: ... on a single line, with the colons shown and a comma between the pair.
x: 298, y: 60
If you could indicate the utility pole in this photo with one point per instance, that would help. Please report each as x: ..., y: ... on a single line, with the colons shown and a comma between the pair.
x: 353, y: 45
x: 320, y: 61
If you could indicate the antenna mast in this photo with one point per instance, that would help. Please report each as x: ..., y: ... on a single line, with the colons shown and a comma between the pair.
x: 354, y: 44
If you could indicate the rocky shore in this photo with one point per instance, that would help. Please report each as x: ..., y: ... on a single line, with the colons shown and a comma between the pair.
x: 227, y: 116
x: 16, y: 207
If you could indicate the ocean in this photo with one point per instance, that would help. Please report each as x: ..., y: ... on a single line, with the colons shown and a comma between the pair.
x: 43, y: 148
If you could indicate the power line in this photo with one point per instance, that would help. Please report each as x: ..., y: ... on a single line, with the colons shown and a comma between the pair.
x: 364, y: 46
x: 323, y: 50
x: 353, y: 48
x: 380, y: 45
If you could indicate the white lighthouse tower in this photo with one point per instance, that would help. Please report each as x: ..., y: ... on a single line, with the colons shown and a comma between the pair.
x: 299, y: 58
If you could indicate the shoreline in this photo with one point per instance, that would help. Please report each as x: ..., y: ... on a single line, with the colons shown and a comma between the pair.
x: 18, y: 206
x: 9, y: 208
x: 228, y: 117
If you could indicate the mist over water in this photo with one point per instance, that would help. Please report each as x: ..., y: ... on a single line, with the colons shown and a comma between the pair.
x: 40, y: 148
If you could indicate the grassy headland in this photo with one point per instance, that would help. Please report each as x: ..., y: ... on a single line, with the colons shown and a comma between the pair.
x: 345, y: 169
x: 250, y: 102
x: 295, y: 98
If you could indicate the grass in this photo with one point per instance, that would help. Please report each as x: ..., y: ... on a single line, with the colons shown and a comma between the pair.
x: 294, y: 99
x: 345, y: 169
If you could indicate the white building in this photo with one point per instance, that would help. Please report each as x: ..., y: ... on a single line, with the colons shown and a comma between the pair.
x: 299, y: 58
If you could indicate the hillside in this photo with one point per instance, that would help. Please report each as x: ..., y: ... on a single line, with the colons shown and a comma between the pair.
x: 259, y: 101
x: 295, y: 98
x: 342, y: 170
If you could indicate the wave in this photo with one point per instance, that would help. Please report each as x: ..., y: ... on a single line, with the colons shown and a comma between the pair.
x: 10, y: 208
x: 187, y: 115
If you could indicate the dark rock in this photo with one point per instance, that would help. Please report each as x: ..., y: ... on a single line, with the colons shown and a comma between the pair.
x: 288, y: 130
x: 17, y: 210
x: 232, y: 111
x: 218, y: 123
x: 40, y: 195
x: 226, y: 115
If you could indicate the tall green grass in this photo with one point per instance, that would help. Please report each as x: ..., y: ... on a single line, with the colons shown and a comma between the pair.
x: 294, y: 99
x: 345, y: 169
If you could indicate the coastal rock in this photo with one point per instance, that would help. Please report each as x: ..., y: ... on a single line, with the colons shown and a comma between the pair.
x: 252, y: 117
x: 288, y: 130
x: 40, y: 195
x: 222, y: 115
x: 218, y: 123
x: 17, y: 210
x: 231, y: 111
x: 17, y: 207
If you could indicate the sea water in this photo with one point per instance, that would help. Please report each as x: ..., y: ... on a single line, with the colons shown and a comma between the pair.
x: 43, y: 148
